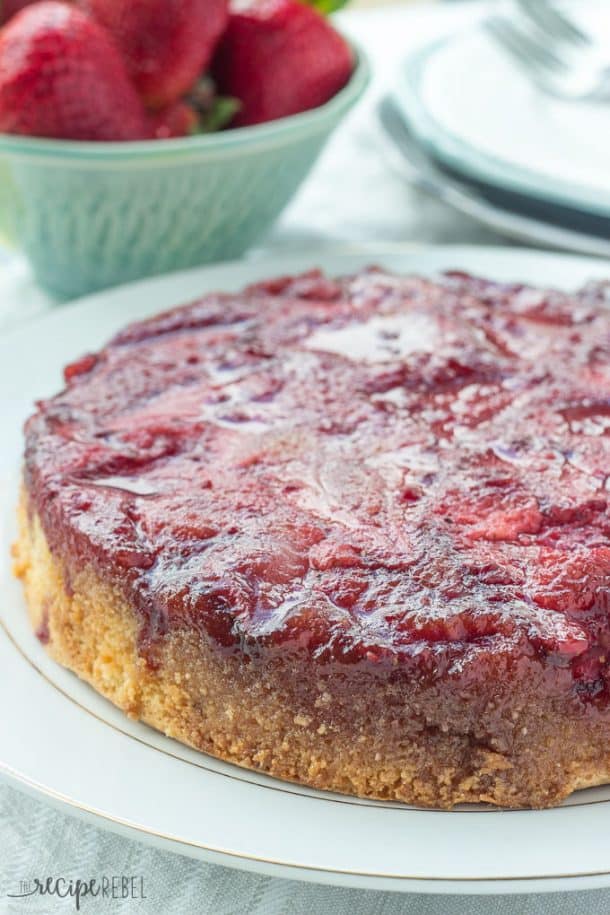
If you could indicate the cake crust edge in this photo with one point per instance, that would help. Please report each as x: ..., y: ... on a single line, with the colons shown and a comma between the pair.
x: 249, y: 714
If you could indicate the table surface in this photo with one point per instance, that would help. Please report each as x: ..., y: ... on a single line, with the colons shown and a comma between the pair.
x: 362, y: 202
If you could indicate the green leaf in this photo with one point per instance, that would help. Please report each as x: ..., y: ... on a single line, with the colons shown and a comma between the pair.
x: 327, y: 6
x: 213, y: 111
x: 220, y: 114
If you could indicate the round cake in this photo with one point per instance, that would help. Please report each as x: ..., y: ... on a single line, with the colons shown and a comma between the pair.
x: 350, y: 532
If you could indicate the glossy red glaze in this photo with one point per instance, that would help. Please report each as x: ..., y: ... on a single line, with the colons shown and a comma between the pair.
x: 376, y: 470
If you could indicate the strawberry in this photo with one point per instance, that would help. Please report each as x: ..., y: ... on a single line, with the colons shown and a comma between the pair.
x: 177, y: 120
x: 166, y: 44
x: 202, y: 111
x: 61, y: 76
x: 279, y: 57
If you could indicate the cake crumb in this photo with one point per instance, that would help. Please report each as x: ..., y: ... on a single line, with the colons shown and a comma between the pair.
x: 302, y: 720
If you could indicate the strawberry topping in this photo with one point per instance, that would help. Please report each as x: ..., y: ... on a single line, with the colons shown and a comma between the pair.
x: 304, y: 465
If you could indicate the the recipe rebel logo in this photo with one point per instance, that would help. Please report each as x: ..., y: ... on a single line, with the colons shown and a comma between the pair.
x: 80, y: 890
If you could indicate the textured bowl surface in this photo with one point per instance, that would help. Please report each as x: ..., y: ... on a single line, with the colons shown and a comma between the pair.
x: 92, y: 215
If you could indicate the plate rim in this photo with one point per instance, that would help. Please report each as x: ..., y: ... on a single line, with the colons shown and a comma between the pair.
x: 324, y: 876
x: 464, y: 157
x: 314, y: 251
x: 522, y: 228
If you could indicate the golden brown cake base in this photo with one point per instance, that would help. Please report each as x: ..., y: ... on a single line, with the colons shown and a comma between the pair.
x: 303, y: 725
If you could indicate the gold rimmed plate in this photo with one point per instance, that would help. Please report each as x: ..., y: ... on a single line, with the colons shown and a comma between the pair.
x: 61, y: 739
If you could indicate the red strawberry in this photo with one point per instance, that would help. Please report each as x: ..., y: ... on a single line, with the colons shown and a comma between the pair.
x: 166, y: 44
x: 61, y: 76
x: 177, y: 120
x: 279, y: 57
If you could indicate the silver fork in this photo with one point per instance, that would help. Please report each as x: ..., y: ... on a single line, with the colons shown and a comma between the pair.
x: 547, y: 65
x: 552, y: 21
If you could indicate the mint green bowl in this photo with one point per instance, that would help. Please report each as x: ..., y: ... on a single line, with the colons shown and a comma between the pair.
x: 92, y: 215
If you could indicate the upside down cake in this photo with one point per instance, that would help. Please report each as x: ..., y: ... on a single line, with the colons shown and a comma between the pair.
x: 351, y: 532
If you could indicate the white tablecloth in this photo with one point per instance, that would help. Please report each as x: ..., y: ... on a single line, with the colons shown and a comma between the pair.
x: 351, y: 196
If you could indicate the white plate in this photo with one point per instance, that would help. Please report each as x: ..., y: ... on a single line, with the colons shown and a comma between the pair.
x: 480, y: 114
x: 409, y: 158
x: 59, y: 738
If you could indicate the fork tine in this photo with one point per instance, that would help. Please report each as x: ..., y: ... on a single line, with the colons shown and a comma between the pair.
x: 527, y: 51
x: 550, y: 19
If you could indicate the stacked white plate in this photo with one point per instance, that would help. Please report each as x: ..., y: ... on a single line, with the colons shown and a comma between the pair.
x: 483, y: 122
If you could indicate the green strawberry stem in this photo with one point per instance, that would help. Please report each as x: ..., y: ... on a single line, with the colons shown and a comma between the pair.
x: 219, y: 114
x: 213, y: 111
x: 326, y: 6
